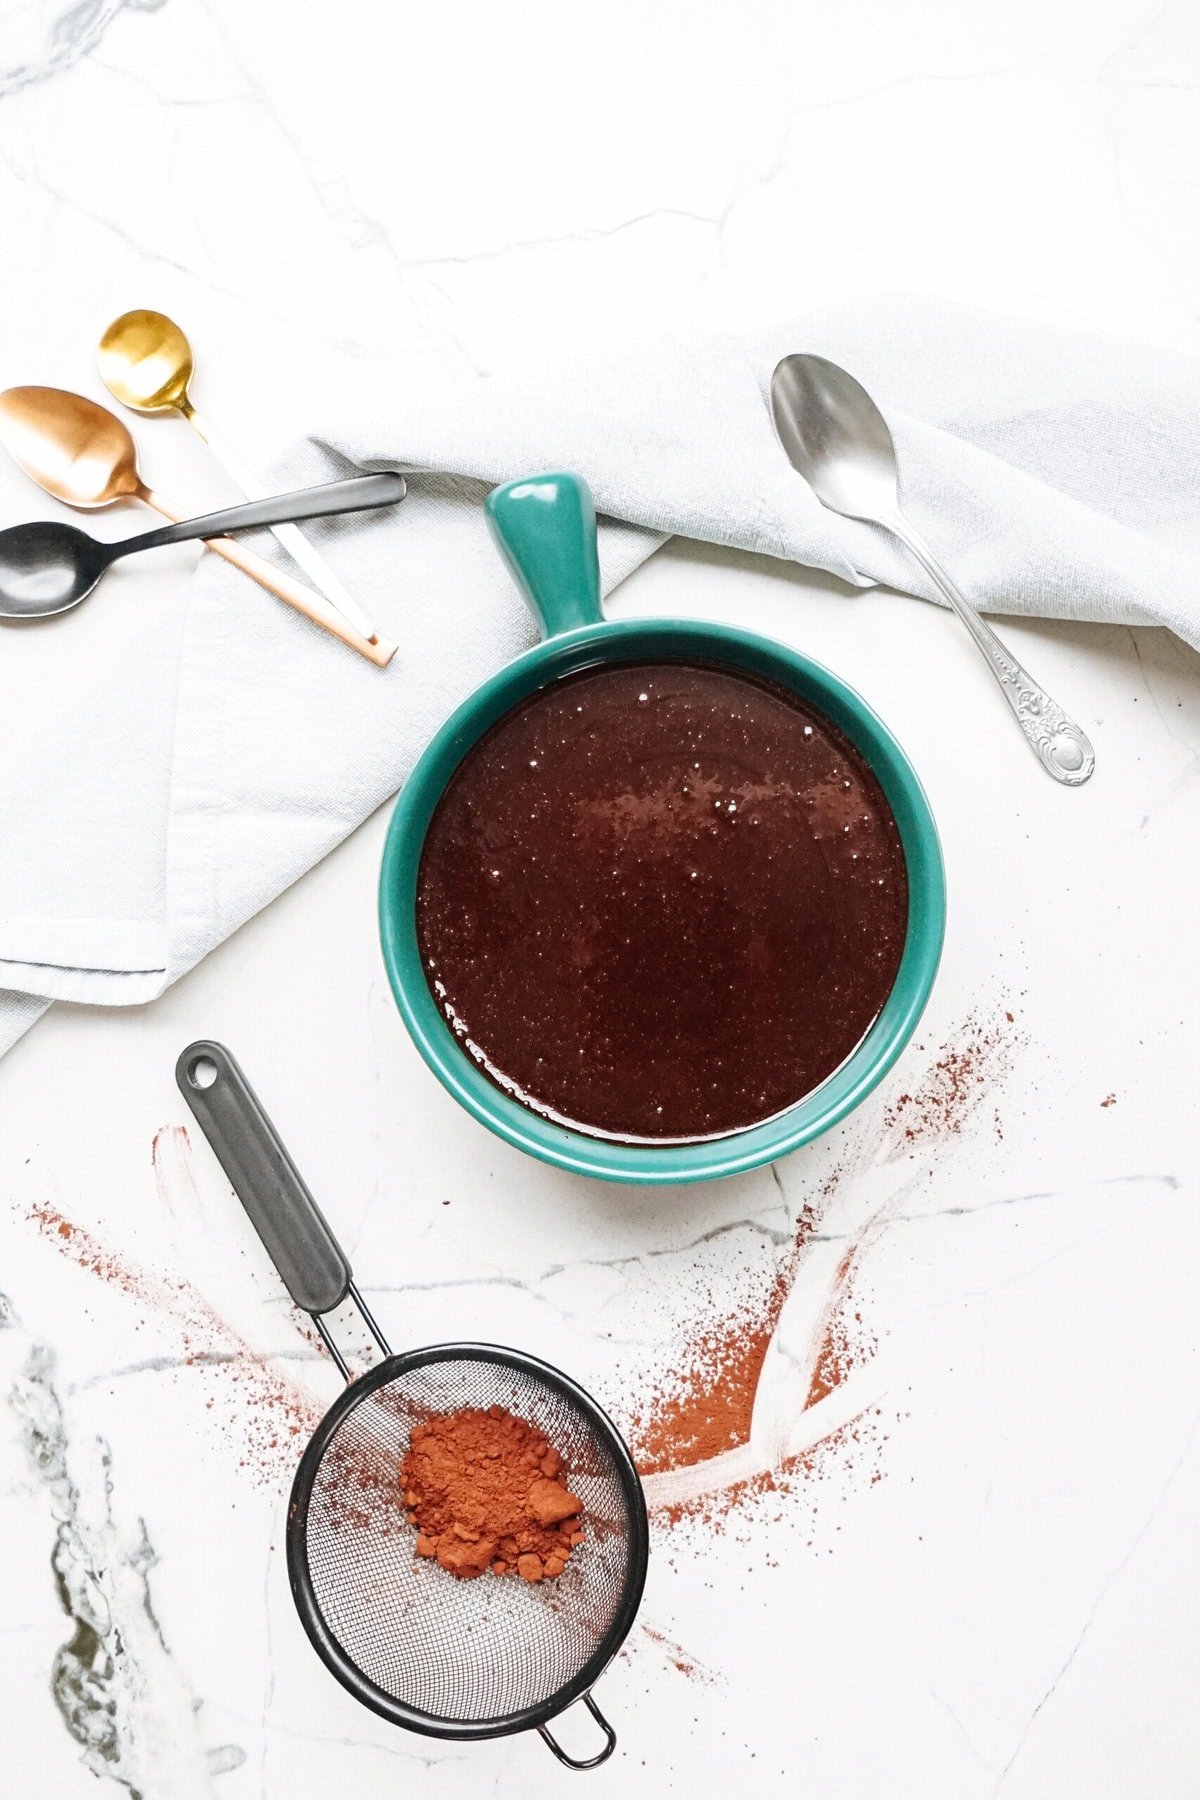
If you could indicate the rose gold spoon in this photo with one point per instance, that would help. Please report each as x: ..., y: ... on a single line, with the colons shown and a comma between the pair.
x: 82, y: 454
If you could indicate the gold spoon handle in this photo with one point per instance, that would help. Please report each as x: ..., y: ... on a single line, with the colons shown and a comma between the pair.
x: 293, y: 593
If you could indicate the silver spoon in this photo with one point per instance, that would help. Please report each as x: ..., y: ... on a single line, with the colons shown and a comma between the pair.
x: 47, y: 567
x: 836, y: 437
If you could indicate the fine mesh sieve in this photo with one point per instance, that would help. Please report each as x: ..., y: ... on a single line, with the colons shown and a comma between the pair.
x: 452, y: 1658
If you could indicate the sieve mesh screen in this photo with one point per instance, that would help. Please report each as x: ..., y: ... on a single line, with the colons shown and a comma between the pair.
x: 475, y: 1651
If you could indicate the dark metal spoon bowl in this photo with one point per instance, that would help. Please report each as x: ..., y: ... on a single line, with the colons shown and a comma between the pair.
x: 47, y: 567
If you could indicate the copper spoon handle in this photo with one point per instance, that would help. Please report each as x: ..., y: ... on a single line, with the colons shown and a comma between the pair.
x: 290, y: 536
x: 293, y: 593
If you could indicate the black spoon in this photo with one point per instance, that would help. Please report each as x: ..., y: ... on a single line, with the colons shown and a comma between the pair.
x: 47, y: 567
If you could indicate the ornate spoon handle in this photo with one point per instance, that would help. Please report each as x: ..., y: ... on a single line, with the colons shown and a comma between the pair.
x: 1061, y: 746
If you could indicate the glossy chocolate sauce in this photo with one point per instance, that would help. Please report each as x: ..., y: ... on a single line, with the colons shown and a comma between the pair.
x: 661, y: 901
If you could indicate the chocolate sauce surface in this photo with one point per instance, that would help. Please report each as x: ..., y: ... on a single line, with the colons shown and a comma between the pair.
x: 661, y: 901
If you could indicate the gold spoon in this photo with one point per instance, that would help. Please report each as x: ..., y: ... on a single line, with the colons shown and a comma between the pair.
x: 146, y: 361
x: 82, y: 454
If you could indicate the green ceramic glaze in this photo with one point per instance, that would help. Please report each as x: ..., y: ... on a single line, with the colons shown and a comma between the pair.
x: 546, y: 528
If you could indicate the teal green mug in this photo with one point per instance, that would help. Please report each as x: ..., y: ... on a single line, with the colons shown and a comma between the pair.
x: 546, y: 530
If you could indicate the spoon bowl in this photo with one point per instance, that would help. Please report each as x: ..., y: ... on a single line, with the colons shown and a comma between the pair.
x: 146, y: 361
x: 75, y: 450
x: 835, y: 436
x: 46, y: 567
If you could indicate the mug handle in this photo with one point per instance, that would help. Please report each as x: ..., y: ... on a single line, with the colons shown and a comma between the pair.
x: 545, y: 528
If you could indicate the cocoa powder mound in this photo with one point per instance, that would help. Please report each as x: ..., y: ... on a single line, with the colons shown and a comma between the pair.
x: 484, y: 1492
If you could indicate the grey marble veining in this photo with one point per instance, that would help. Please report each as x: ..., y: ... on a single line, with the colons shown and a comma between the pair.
x: 115, y: 1684
x: 70, y: 35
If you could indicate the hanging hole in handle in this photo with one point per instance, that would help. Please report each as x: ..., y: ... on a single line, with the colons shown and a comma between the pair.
x: 203, y: 1072
x: 591, y: 1762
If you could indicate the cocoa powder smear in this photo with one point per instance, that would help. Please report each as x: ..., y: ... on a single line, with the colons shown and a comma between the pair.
x: 699, y: 1399
x: 264, y: 1414
x: 485, y: 1492
x: 661, y: 902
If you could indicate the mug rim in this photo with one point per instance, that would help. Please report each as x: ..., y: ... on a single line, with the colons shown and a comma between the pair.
x: 625, y: 640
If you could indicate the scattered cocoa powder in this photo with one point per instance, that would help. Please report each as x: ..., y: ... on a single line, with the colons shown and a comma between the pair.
x: 699, y: 1404
x: 484, y: 1492
x: 266, y: 1416
x: 680, y: 1659
x: 849, y: 1343
x: 962, y: 1077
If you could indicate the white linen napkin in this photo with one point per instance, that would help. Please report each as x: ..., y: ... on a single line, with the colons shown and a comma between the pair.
x: 207, y: 766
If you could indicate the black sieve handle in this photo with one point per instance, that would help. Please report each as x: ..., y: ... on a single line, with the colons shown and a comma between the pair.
x: 265, y: 1179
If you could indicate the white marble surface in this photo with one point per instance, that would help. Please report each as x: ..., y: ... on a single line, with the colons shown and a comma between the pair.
x: 991, y: 1586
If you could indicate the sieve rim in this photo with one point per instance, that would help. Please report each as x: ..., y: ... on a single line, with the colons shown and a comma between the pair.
x: 328, y: 1646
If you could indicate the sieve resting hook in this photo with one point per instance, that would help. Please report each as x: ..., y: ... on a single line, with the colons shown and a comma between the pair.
x: 591, y: 1762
